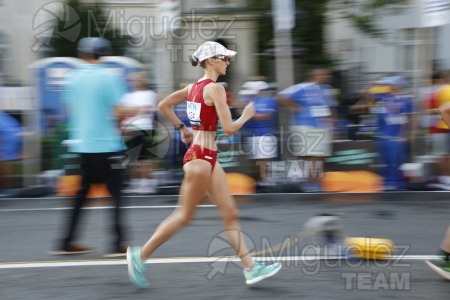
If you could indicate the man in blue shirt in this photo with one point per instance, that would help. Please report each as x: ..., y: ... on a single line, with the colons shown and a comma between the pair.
x: 91, y: 95
x: 394, y: 113
x: 311, y: 126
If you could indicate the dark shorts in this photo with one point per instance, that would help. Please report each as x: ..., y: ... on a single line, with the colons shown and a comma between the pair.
x: 142, y: 140
x: 198, y: 152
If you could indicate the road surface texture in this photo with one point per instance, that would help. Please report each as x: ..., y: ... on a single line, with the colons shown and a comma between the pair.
x: 187, y: 267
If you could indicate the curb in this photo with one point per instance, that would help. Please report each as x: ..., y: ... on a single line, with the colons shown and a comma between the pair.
x: 398, y: 196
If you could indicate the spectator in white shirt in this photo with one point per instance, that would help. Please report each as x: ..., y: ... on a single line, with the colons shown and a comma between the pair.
x: 138, y: 110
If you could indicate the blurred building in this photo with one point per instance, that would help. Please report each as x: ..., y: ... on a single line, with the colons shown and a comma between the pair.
x: 16, y: 38
x: 409, y: 44
x: 164, y: 34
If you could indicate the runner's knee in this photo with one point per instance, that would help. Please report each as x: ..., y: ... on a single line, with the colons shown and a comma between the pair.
x: 185, y: 218
x: 231, y: 215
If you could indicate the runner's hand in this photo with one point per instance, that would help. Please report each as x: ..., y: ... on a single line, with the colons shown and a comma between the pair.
x: 186, y: 136
x: 249, y: 111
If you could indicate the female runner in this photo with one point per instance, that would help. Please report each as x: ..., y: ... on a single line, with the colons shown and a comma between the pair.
x: 206, y: 104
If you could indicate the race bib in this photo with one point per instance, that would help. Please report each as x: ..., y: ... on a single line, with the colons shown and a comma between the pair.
x: 193, y: 112
x: 320, y: 111
x: 377, y: 109
x: 396, y: 120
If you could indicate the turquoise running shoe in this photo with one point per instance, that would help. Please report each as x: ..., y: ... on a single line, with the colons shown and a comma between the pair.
x: 136, y: 268
x: 261, y: 271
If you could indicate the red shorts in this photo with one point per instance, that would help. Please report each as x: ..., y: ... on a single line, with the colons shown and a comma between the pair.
x: 196, y: 151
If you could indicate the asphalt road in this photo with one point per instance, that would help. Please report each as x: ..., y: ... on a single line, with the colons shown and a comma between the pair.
x: 184, y: 267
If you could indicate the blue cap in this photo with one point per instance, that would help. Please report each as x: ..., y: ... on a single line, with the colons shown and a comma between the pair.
x: 94, y: 45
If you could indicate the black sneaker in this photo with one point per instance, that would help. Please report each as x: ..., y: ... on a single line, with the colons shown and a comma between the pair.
x: 72, y: 250
x: 121, y: 252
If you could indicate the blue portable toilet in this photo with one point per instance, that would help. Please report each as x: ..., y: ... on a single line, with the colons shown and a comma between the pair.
x: 123, y: 66
x: 49, y: 78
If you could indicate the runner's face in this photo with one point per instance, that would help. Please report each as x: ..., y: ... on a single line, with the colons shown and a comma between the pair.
x: 221, y: 63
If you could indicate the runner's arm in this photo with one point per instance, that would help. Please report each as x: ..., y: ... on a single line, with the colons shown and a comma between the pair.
x: 167, y: 104
x: 445, y: 112
x: 217, y: 94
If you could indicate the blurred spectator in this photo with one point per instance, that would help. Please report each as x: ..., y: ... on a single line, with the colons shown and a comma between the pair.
x: 249, y: 89
x: 395, y: 117
x: 247, y: 94
x: 366, y: 110
x: 138, y: 127
x: 92, y: 94
x: 262, y: 128
x: 328, y: 93
x: 10, y: 148
x: 429, y: 105
x: 364, y: 123
x: 228, y: 92
x: 380, y: 88
x: 311, y: 126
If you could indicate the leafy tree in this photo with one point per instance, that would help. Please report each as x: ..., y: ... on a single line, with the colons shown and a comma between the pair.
x: 308, y: 34
x: 94, y: 23
x: 363, y: 13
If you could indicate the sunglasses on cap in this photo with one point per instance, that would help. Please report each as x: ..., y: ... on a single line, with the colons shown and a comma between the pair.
x: 222, y: 57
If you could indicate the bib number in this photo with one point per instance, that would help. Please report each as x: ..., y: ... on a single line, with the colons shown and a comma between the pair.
x: 320, y: 111
x: 193, y: 111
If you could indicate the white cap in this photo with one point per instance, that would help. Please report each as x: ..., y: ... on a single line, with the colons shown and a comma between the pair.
x: 254, y: 87
x: 210, y: 49
x: 396, y: 80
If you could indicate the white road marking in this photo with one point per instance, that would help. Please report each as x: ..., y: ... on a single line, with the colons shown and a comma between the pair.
x: 179, y: 260
x: 101, y: 208
x: 68, y: 198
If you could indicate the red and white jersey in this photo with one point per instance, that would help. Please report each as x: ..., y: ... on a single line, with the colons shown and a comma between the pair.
x: 201, y: 116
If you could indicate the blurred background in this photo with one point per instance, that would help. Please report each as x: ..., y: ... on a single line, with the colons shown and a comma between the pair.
x: 381, y: 67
